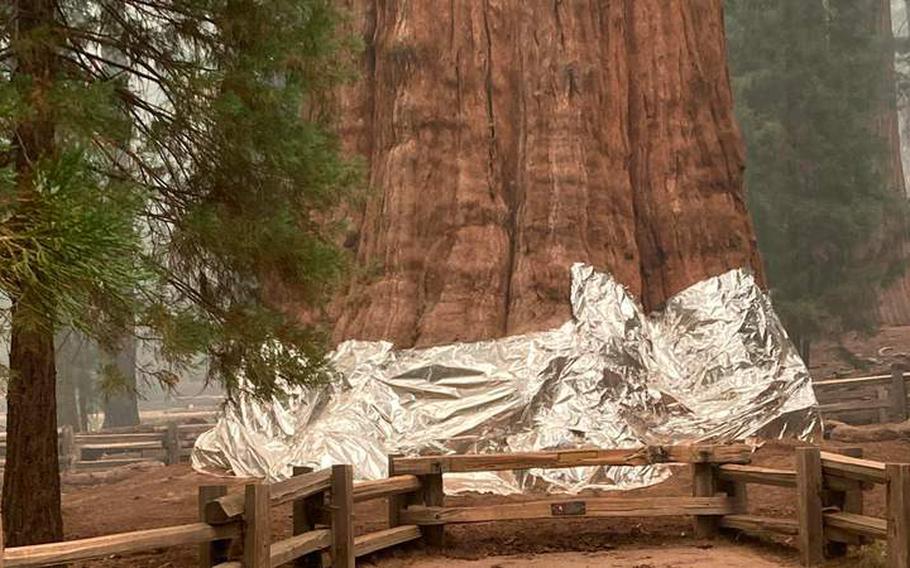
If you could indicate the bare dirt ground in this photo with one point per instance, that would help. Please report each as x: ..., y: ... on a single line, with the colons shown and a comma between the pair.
x: 720, y: 555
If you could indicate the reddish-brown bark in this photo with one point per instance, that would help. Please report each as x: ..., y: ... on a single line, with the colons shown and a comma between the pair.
x: 894, y: 302
x: 506, y: 140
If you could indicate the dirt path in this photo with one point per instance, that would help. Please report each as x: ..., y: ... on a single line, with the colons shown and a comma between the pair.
x: 720, y: 555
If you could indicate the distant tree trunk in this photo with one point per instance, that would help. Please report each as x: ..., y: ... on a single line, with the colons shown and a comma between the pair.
x: 67, y: 348
x: 121, y: 408
x: 31, y: 481
x: 509, y: 139
x: 894, y: 301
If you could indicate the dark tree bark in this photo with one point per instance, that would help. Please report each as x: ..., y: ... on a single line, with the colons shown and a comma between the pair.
x: 121, y: 408
x: 31, y: 481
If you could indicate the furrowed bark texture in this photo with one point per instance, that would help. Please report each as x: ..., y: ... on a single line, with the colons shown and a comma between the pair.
x: 506, y: 140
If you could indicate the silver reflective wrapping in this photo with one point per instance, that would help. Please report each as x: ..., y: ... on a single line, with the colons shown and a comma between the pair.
x: 714, y: 365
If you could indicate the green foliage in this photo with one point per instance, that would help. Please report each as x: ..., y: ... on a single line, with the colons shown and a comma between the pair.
x: 192, y: 169
x: 811, y: 81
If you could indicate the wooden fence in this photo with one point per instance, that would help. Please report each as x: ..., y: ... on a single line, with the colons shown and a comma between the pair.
x: 863, y: 400
x: 170, y: 443
x: 828, y: 492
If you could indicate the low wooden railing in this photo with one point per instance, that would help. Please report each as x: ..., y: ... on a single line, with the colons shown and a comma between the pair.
x: 876, y: 398
x: 89, y: 451
x: 828, y: 491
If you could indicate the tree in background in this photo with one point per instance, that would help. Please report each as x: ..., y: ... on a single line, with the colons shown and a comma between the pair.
x: 156, y: 173
x: 809, y: 88
x: 77, y: 370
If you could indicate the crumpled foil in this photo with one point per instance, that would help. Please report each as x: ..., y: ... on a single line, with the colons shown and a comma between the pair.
x: 715, y: 365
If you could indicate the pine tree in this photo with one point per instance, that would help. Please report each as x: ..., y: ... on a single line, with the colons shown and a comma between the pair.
x: 164, y: 163
x: 809, y: 85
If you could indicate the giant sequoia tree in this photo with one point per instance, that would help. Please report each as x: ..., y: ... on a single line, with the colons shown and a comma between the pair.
x: 156, y: 172
x: 813, y: 81
x: 508, y: 139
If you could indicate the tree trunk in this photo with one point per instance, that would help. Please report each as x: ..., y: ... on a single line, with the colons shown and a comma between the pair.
x: 68, y: 350
x: 121, y: 408
x: 894, y: 301
x: 507, y: 140
x: 31, y: 481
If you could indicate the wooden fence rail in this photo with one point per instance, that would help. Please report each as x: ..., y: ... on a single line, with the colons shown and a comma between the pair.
x: 877, y: 398
x: 90, y: 451
x: 828, y: 492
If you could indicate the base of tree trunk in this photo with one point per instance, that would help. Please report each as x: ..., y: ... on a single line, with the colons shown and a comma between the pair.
x: 31, y: 481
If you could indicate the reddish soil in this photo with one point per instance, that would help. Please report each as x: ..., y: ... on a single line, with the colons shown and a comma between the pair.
x: 167, y: 496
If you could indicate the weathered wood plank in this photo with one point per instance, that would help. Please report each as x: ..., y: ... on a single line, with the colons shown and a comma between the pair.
x: 898, y: 525
x: 299, y: 545
x: 371, y: 542
x: 230, y: 507
x: 172, y: 444
x: 755, y: 474
x: 571, y: 508
x: 898, y: 395
x: 736, y: 453
x: 379, y: 488
x: 398, y: 502
x: 305, y: 513
x: 847, y: 496
x: 704, y: 484
x: 120, y: 446
x: 256, y: 526
x: 853, y: 468
x: 123, y: 543
x: 809, y: 506
x: 858, y: 524
x: 213, y: 552
x: 342, y: 516
x: 301, y: 486
x: 758, y: 524
x: 82, y: 439
x: 108, y: 463
x: 854, y: 405
x: 851, y: 381
x: 433, y: 495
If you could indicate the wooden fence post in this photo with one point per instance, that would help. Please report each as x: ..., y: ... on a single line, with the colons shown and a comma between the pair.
x: 433, y: 495
x: 215, y: 552
x: 256, y: 527
x: 396, y: 502
x: 898, y: 515
x: 848, y: 501
x: 172, y: 444
x: 342, y: 516
x: 898, y: 394
x: 809, y: 506
x: 306, y: 512
x: 704, y: 484
x: 68, y: 447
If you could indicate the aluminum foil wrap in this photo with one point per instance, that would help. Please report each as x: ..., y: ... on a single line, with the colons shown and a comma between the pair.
x: 714, y: 365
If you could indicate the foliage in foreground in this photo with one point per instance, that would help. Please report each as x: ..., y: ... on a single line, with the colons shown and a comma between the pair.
x: 183, y: 160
